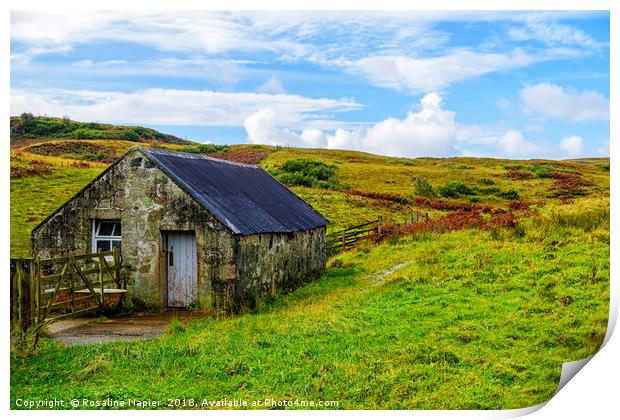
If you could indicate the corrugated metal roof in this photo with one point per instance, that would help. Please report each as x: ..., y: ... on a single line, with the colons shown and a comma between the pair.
x: 243, y: 197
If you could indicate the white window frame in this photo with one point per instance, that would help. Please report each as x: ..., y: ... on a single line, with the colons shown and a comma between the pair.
x: 96, y: 237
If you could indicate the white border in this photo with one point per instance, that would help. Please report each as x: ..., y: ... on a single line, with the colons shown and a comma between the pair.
x: 593, y: 393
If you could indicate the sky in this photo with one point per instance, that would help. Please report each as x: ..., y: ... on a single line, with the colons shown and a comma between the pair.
x: 441, y: 84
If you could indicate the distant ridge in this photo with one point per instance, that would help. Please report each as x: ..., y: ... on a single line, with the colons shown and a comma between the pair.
x: 28, y: 126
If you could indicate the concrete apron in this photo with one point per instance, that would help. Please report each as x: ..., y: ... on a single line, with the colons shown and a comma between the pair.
x: 94, y: 330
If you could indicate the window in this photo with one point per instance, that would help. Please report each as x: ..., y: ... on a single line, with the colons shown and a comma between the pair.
x: 106, y: 235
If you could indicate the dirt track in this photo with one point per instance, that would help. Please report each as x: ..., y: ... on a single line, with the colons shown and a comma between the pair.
x: 94, y: 330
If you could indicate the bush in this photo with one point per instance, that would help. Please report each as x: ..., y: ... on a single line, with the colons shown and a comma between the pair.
x: 542, y: 171
x: 27, y: 121
x: 307, y: 173
x: 511, y: 194
x: 568, y: 185
x: 129, y: 135
x: 423, y: 188
x: 489, y: 191
x: 204, y: 148
x: 211, y: 148
x: 518, y: 174
x: 486, y: 181
x: 454, y: 190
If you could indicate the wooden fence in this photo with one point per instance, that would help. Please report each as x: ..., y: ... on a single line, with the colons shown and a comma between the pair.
x: 55, y: 288
x: 346, y: 238
x: 349, y: 237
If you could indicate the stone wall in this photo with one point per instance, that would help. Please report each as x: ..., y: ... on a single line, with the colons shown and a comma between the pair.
x: 233, y: 271
x: 146, y: 201
x: 277, y: 262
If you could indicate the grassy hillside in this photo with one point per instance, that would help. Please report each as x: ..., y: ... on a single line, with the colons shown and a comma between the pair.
x: 28, y: 126
x: 476, y: 308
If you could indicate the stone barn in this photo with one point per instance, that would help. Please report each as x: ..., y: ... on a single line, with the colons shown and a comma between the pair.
x: 192, y: 230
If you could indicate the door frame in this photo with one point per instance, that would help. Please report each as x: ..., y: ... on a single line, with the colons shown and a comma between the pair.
x: 163, y: 263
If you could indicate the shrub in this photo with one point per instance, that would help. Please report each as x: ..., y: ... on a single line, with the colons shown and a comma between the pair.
x: 542, y: 171
x: 518, y: 205
x: 568, y: 185
x: 518, y: 174
x: 129, y: 135
x: 204, y: 148
x: 489, y: 191
x: 502, y: 220
x: 511, y: 194
x: 422, y: 187
x: 517, y: 167
x: 307, y: 173
x: 34, y: 167
x: 454, y: 190
x: 486, y: 181
x: 27, y: 121
x: 252, y: 157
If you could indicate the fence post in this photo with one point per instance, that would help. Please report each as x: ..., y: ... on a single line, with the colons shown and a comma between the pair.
x: 14, y: 307
x: 37, y: 289
x: 23, y: 269
x: 72, y: 282
x: 116, y: 255
x: 20, y: 297
x: 101, y: 273
x: 32, y: 277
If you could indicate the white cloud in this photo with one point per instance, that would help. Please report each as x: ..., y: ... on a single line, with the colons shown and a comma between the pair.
x: 262, y: 128
x: 513, y: 145
x: 272, y: 85
x: 418, y: 75
x: 551, y: 100
x: 172, y: 106
x: 432, y: 131
x: 182, y: 31
x: 105, y: 63
x: 429, y: 132
x: 397, y: 50
x: 572, y: 146
x: 552, y: 33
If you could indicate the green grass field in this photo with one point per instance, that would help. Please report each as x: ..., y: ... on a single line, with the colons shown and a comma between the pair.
x: 471, y: 318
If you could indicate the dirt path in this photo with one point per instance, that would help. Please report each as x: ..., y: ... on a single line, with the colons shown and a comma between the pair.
x: 380, y: 277
x: 94, y: 330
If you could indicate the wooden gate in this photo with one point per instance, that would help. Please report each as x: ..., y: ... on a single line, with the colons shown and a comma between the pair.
x: 45, y: 290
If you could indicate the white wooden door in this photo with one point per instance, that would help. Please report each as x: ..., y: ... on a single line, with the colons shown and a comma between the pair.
x: 182, y: 269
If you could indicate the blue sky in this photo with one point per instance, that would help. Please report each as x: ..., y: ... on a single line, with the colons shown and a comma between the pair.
x: 498, y: 84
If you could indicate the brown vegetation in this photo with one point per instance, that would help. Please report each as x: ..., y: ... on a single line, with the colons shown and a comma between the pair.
x: 34, y: 167
x: 250, y: 157
x: 518, y: 174
x: 568, y: 185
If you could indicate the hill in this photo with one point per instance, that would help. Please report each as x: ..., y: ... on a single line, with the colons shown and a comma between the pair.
x: 475, y: 308
x: 28, y: 126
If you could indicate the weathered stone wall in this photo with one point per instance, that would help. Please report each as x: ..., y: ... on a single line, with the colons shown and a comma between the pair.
x: 277, y: 262
x: 146, y: 201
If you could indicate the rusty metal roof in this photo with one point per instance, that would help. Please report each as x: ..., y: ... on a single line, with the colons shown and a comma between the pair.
x: 245, y: 198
